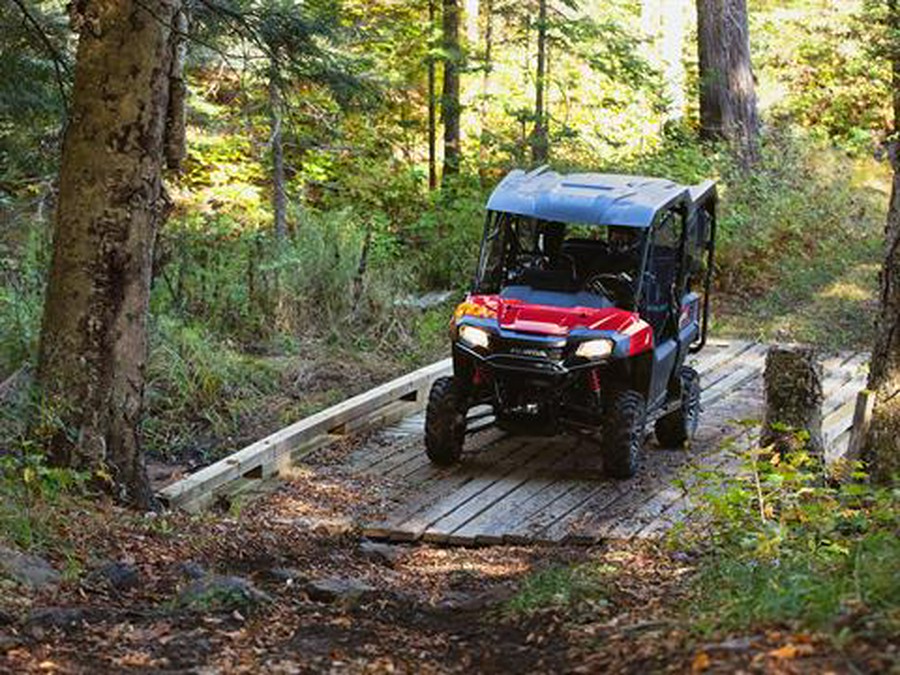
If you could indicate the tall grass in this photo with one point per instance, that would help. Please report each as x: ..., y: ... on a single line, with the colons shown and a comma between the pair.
x: 248, y: 286
x: 24, y: 253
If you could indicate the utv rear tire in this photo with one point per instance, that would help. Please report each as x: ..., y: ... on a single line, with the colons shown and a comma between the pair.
x: 623, y: 434
x: 445, y: 423
x: 679, y: 426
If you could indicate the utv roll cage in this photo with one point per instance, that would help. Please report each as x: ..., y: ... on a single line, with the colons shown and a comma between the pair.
x: 545, y: 200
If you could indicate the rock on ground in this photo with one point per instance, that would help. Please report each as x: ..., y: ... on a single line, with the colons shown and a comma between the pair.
x: 386, y: 554
x: 119, y: 576
x: 27, y: 569
x: 221, y: 593
x: 339, y: 590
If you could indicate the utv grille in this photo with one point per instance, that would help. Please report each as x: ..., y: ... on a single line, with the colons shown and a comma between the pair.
x: 529, y: 350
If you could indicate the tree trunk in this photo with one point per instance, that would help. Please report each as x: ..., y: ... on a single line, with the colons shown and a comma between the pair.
x: 727, y: 89
x: 93, y: 351
x: 488, y: 66
x: 893, y: 22
x: 432, y: 121
x: 450, y: 107
x: 539, y: 149
x: 793, y: 381
x: 882, y: 451
x: 176, y: 115
x: 279, y: 201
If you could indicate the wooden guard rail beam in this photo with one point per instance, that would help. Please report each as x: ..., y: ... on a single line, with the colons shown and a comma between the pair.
x: 384, y: 404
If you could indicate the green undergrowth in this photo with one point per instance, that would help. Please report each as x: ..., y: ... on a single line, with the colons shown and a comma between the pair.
x: 582, y: 588
x: 782, y: 544
x: 32, y: 494
x: 799, y: 237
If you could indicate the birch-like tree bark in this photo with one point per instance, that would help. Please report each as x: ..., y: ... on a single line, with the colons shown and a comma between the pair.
x: 93, y: 351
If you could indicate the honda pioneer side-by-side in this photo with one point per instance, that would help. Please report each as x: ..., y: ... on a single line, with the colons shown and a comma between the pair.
x: 591, y: 290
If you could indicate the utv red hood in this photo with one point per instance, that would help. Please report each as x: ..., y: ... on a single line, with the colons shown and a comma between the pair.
x: 516, y: 315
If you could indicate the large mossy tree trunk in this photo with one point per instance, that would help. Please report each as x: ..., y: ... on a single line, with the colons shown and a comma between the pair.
x: 727, y: 90
x: 882, y: 451
x: 93, y: 350
x: 450, y: 106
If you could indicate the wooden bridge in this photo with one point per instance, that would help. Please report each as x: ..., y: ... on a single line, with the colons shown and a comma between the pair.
x: 512, y: 489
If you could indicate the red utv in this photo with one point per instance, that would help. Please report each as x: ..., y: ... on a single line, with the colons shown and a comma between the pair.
x: 591, y: 290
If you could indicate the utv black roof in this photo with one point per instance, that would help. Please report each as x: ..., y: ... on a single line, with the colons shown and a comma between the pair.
x: 593, y: 198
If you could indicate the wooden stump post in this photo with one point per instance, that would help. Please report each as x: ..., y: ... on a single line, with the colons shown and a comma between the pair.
x: 793, y: 382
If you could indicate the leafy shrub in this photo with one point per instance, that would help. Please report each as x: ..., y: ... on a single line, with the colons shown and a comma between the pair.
x: 31, y: 489
x: 781, y: 545
x: 197, y: 387
x: 824, y: 73
x: 246, y: 285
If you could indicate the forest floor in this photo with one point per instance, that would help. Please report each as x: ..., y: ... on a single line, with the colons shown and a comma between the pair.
x: 284, y: 584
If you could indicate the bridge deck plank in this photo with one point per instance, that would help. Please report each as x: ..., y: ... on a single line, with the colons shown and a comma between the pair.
x: 552, y: 490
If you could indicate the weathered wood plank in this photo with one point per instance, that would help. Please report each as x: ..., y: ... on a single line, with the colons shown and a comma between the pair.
x: 856, y: 436
x: 749, y: 366
x: 461, y: 526
x: 272, y: 448
x: 841, y: 407
x: 485, y: 487
x: 410, y: 521
x: 711, y: 357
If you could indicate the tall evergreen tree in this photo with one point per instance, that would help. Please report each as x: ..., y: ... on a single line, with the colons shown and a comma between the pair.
x: 727, y: 90
x: 450, y: 104
x: 432, y: 103
x: 539, y: 142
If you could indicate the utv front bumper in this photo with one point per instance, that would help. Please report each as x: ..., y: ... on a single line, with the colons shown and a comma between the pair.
x: 552, y: 357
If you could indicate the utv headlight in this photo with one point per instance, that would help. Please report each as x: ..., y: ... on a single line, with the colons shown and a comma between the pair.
x: 474, y: 337
x: 595, y: 349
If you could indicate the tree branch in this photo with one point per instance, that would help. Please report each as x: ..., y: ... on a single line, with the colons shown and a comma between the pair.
x: 59, y: 64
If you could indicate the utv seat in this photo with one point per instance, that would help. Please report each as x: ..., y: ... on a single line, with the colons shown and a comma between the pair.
x: 587, y: 254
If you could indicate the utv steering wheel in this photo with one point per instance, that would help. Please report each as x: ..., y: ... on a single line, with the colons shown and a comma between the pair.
x: 618, y: 288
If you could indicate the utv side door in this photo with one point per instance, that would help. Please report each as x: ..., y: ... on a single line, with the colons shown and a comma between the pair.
x: 660, y: 298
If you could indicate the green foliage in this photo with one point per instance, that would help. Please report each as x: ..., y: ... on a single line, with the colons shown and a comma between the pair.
x: 826, y: 68
x: 562, y: 588
x: 197, y: 387
x: 248, y: 286
x: 23, y: 258
x: 781, y: 545
x: 34, y: 49
x: 31, y: 489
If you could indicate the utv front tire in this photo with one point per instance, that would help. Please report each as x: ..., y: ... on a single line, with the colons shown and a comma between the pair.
x: 623, y: 434
x: 679, y: 426
x: 445, y: 423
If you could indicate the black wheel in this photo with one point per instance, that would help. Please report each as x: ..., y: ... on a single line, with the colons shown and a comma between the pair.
x: 679, y: 426
x: 623, y: 433
x: 445, y: 422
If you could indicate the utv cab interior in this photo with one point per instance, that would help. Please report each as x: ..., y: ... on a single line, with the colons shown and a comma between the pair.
x: 573, y: 265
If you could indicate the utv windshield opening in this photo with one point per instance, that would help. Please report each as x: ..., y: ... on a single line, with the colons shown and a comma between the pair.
x: 553, y: 263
